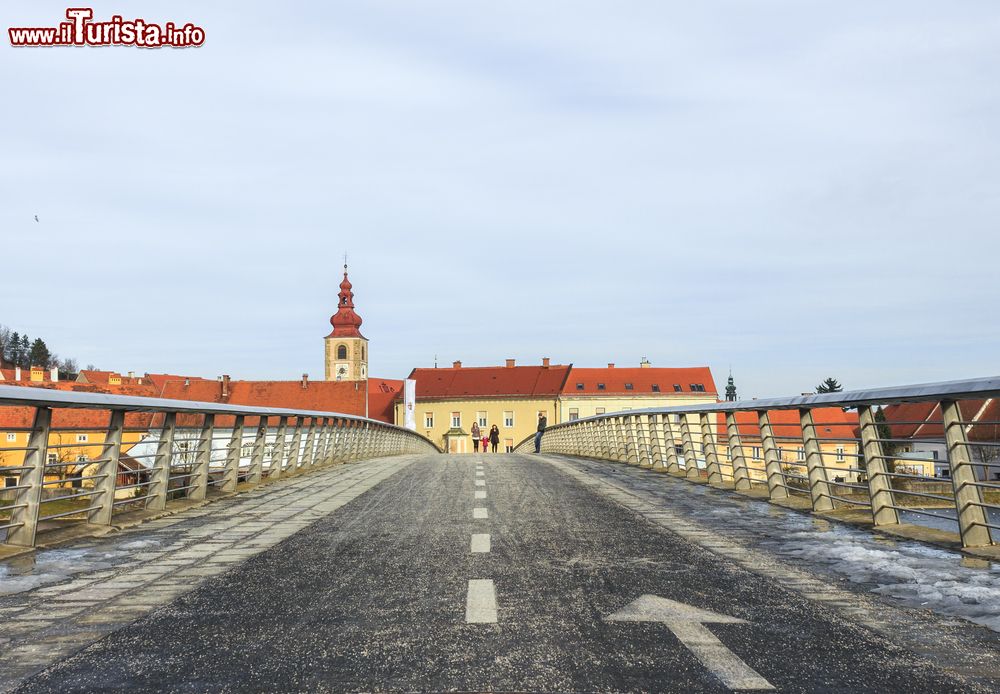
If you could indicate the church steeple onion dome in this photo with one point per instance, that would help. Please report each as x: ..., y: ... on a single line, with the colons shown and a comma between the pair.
x: 345, y: 322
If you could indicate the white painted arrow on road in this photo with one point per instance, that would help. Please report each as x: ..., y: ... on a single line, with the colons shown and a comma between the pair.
x: 686, y: 623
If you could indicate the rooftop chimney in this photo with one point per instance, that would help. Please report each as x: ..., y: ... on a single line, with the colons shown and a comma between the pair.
x: 54, y: 374
x: 456, y: 365
x: 17, y: 373
x: 545, y: 362
x: 644, y: 364
x: 131, y: 374
x: 305, y: 380
x: 187, y: 382
x: 225, y: 385
x: 510, y: 363
x: 611, y: 365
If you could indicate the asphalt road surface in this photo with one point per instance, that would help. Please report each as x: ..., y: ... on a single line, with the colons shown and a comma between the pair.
x: 495, y: 573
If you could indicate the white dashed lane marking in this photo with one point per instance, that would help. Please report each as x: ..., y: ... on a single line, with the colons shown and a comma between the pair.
x: 480, y: 543
x: 480, y: 493
x: 479, y: 513
x: 481, y: 602
x: 480, y: 483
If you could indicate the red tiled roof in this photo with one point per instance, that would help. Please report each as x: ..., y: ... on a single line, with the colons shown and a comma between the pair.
x: 923, y: 420
x: 642, y: 380
x: 160, y: 380
x: 831, y: 423
x: 490, y: 381
x: 343, y: 397
x: 382, y: 393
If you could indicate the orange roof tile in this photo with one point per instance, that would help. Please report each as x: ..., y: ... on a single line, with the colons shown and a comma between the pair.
x: 382, y: 394
x: 490, y: 381
x: 642, y: 380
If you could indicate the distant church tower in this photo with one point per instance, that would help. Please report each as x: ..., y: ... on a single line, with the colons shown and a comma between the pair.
x: 730, y: 389
x: 346, y: 347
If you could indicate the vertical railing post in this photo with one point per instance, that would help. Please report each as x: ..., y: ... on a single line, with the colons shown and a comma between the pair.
x: 233, y: 456
x: 107, y: 471
x: 604, y: 438
x: 159, y: 481
x: 642, y: 441
x: 772, y: 460
x: 295, y: 447
x: 256, y: 472
x: 673, y: 463
x: 741, y: 473
x: 711, y: 455
x: 819, y: 486
x: 203, y: 459
x: 590, y: 440
x: 28, y: 498
x: 324, y: 442
x: 968, y: 497
x: 690, y: 455
x: 879, y: 484
x: 631, y: 440
x: 352, y: 441
x: 656, y: 448
x: 278, y: 453
x: 621, y: 443
x: 308, y: 459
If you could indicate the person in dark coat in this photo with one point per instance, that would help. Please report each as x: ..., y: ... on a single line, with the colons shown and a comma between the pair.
x: 494, y: 438
x: 475, y: 437
x: 542, y: 422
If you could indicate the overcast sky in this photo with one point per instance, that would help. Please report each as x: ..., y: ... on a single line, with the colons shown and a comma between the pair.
x: 793, y: 189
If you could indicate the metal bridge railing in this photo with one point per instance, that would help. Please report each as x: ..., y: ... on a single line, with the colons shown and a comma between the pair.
x: 84, y: 457
x: 824, y: 452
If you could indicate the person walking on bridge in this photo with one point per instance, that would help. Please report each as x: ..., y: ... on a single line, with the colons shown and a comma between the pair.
x: 494, y: 438
x: 476, y: 435
x: 542, y: 421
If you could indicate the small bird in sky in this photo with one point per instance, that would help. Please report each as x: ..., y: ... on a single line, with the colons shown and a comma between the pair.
x: 36, y: 217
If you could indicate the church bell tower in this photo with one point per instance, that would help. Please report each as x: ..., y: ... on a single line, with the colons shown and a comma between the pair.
x: 346, y: 347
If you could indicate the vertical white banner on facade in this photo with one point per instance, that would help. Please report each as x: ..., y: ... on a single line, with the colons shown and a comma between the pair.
x: 409, y: 404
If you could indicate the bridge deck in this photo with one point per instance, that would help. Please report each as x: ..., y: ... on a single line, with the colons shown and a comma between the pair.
x: 382, y: 575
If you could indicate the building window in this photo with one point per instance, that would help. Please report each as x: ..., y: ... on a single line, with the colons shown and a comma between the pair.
x: 800, y: 454
x: 246, y: 450
x: 81, y: 438
x: 341, y: 351
x: 481, y: 418
x: 428, y: 420
x: 508, y: 419
x: 600, y: 386
x: 626, y: 409
x: 82, y: 459
x: 11, y: 437
x: 840, y: 454
x: 679, y: 450
x: 656, y: 387
x: 456, y: 420
x: 756, y: 452
x: 52, y: 459
x: 508, y: 445
x: 677, y: 388
x: 10, y: 481
x: 579, y: 386
x: 362, y: 352
x: 574, y: 414
x: 599, y: 410
x: 628, y: 386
